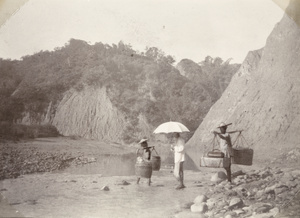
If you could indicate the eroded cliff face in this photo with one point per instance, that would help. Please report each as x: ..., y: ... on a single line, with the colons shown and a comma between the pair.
x: 89, y: 114
x: 262, y: 98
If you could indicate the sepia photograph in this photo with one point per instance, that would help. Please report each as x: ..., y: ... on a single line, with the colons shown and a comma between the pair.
x: 150, y: 108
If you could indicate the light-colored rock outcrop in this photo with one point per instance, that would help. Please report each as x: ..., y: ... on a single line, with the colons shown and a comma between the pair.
x: 89, y: 114
x: 263, y: 98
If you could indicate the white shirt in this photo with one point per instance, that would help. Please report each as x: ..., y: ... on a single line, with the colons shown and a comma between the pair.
x: 179, y: 152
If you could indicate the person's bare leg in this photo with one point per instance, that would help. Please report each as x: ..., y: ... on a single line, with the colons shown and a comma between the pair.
x: 181, y: 177
x: 181, y: 173
x: 228, y: 171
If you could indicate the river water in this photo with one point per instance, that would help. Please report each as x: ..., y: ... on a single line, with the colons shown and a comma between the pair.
x: 107, y: 165
x: 158, y: 200
x: 76, y: 191
x: 77, y: 195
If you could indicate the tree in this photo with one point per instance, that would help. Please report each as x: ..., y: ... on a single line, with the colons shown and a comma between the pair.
x: 153, y: 53
x: 217, y: 61
x: 207, y: 61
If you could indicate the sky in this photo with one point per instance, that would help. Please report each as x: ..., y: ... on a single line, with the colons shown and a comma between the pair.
x: 190, y: 29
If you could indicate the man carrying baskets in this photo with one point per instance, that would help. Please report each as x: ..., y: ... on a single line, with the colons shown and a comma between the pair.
x: 225, y: 146
x: 143, y: 161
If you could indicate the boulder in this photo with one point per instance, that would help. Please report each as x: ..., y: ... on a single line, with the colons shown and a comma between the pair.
x: 271, y: 195
x: 105, y: 188
x: 274, y: 211
x: 200, y: 199
x: 270, y: 189
x: 262, y: 209
x: 239, y: 212
x: 270, y: 214
x: 218, y: 177
x: 260, y: 193
x: 199, y: 208
x: 283, y: 196
x: 228, y: 186
x: 222, y: 204
x: 236, y: 203
x: 231, y: 193
x: 281, y: 189
x: 123, y: 182
x: 237, y: 173
x: 211, y: 202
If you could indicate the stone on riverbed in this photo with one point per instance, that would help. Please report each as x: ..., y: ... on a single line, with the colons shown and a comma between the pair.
x: 211, y: 203
x: 124, y: 182
x: 218, y: 177
x: 199, y: 208
x: 105, y: 188
x: 236, y: 203
x: 200, y: 199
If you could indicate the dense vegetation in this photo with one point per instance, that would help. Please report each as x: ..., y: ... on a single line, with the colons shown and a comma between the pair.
x: 146, y: 83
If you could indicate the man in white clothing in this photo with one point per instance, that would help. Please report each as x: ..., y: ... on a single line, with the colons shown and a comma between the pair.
x: 179, y: 157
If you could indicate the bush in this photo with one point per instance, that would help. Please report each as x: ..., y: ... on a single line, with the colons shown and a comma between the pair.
x: 18, y: 131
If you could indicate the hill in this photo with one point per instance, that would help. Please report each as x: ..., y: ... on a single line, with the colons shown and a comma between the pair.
x: 262, y: 98
x: 106, y: 92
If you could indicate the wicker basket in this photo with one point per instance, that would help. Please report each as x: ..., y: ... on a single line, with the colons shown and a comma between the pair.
x: 214, y: 162
x: 143, y: 169
x: 155, y: 163
x: 242, y: 156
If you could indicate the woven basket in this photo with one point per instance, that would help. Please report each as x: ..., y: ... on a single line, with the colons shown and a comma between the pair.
x: 242, y: 156
x: 143, y: 169
x: 155, y: 163
x: 213, y: 162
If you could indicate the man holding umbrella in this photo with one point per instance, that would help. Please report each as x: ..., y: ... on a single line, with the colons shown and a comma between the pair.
x: 179, y: 157
x: 178, y: 149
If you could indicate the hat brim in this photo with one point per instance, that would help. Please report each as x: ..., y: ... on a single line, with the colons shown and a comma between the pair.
x: 142, y: 140
x: 225, y: 125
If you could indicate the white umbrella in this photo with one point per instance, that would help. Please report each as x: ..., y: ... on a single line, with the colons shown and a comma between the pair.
x: 170, y: 127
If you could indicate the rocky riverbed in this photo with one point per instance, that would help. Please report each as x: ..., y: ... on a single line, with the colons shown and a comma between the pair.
x: 71, y: 181
x: 57, y: 154
x: 266, y: 192
x: 269, y: 192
